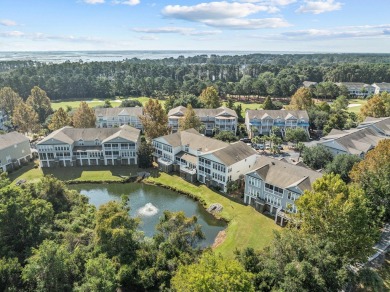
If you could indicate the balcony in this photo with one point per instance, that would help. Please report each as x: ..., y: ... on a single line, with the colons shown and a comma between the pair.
x: 188, y: 170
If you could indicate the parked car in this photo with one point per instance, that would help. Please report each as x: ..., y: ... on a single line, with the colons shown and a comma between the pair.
x: 267, y: 147
x: 245, y: 140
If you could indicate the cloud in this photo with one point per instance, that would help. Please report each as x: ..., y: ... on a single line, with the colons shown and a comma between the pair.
x: 7, y: 22
x: 330, y: 34
x: 127, y: 2
x: 228, y: 14
x: 271, y: 2
x: 149, y: 38
x: 318, y: 7
x: 178, y: 30
x: 214, y: 10
x: 94, y: 1
x: 14, y: 33
x: 236, y: 23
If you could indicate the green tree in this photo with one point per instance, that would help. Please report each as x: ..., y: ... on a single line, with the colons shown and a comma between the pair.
x: 295, y: 262
x: 40, y: 102
x: 9, y: 99
x: 373, y: 175
x: 340, y: 104
x: 24, y: 221
x: 296, y: 135
x: 25, y: 119
x: 226, y: 136
x: 342, y: 164
x: 130, y: 103
x: 116, y: 232
x: 49, y: 268
x: 154, y: 120
x: 209, y: 97
x: 212, y: 273
x: 190, y: 120
x: 100, y: 275
x: 84, y: 117
x: 10, y: 274
x: 339, y: 213
x: 59, y: 119
x: 376, y: 106
x: 107, y: 104
x: 145, y: 155
x: 268, y: 105
x: 302, y: 99
x: 316, y: 157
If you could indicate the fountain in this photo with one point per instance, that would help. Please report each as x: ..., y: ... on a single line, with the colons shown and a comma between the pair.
x: 148, y: 210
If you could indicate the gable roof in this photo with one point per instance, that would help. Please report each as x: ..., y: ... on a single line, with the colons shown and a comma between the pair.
x: 355, y: 141
x: 382, y: 86
x: 274, y: 114
x: 119, y: 111
x: 380, y: 124
x: 203, y: 112
x: 194, y: 140
x: 69, y: 135
x: 10, y: 139
x: 283, y: 174
x: 234, y: 153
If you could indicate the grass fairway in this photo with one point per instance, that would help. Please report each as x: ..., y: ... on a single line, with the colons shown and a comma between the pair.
x: 246, y: 228
x: 96, y: 102
x: 250, y: 106
x: 358, y: 102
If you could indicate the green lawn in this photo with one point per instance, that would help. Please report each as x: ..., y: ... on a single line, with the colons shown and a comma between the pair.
x: 250, y: 106
x: 246, y: 228
x: 91, y: 174
x: 356, y: 109
x: 96, y: 102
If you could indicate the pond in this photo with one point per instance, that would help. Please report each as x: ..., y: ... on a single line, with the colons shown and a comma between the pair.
x: 149, y: 202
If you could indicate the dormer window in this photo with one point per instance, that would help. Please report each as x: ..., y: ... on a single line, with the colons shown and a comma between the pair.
x: 81, y: 142
x: 97, y: 142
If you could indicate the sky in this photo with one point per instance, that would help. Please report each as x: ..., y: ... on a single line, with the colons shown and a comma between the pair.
x: 238, y: 25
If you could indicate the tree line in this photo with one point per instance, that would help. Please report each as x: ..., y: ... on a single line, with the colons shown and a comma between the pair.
x: 256, y: 75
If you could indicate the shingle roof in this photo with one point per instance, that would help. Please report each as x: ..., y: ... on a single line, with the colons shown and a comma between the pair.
x: 116, y: 111
x: 10, y: 139
x: 382, y: 124
x: 283, y: 174
x: 194, y: 140
x: 383, y: 85
x: 355, y: 141
x: 234, y: 152
x: 353, y: 85
x: 69, y: 135
x: 274, y: 114
x: 203, y: 112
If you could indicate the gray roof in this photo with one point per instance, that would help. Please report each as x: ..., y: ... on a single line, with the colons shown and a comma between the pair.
x: 194, y: 140
x: 354, y: 85
x: 309, y: 83
x: 383, y: 85
x: 283, y: 174
x: 274, y: 114
x: 355, y: 141
x: 381, y: 124
x: 119, y: 111
x: 68, y: 134
x: 234, y: 153
x: 10, y: 139
x: 203, y: 112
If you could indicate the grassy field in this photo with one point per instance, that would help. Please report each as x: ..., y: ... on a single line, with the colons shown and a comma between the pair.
x: 250, y: 106
x: 246, y: 228
x: 91, y: 174
x: 356, y: 109
x: 94, y: 102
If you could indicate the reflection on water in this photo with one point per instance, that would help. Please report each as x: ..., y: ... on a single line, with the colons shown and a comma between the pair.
x: 149, y: 203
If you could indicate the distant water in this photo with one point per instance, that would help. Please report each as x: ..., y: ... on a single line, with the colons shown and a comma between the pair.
x: 90, y: 56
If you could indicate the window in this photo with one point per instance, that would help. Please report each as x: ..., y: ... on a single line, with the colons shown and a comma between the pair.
x: 81, y: 142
